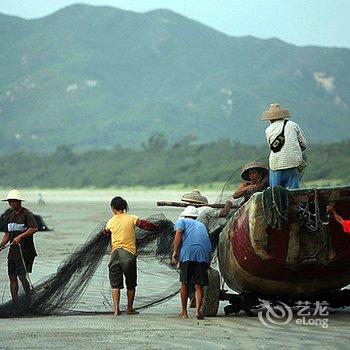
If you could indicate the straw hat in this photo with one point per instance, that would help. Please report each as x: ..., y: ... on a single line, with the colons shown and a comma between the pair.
x: 191, y: 211
x: 14, y: 194
x: 194, y: 197
x: 253, y: 165
x: 275, y: 111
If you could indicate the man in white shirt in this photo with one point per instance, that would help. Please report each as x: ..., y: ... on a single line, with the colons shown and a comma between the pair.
x: 285, y: 162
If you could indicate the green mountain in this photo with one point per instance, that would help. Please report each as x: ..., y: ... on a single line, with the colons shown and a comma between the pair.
x: 98, y: 77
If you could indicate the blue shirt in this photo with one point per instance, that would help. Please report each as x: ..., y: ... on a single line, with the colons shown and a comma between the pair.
x: 196, y: 245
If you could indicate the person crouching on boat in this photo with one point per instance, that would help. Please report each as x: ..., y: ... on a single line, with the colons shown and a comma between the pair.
x: 345, y: 223
x: 121, y: 227
x: 192, y: 249
x: 19, y: 230
x: 285, y: 157
x: 255, y: 176
x: 213, y: 219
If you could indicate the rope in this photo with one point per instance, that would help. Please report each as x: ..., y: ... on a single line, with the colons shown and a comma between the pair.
x: 274, y: 204
x: 25, y: 267
x: 224, y: 270
x: 317, y: 210
x: 5, y: 247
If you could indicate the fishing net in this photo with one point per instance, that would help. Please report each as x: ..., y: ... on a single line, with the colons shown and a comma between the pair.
x: 76, y: 287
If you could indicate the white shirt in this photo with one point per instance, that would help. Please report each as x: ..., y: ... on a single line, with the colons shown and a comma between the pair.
x: 290, y: 156
x: 208, y: 216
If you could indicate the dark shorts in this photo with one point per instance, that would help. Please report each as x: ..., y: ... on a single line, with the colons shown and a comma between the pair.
x: 17, y: 264
x: 193, y: 271
x: 122, y: 263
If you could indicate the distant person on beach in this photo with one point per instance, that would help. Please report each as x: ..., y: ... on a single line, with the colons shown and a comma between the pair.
x: 345, y: 223
x: 286, y: 158
x: 41, y: 199
x: 192, y: 250
x: 19, y: 230
x: 255, y: 176
x: 121, y: 227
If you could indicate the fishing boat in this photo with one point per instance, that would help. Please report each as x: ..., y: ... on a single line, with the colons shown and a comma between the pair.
x: 303, y: 254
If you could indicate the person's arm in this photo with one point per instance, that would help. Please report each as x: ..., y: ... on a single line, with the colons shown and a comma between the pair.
x: 248, y: 189
x: 177, y: 245
x: 146, y: 225
x: 29, y: 232
x: 225, y: 210
x: 240, y: 190
x: 331, y: 211
x: 32, y: 228
x: 4, y: 241
x: 106, y: 231
x: 301, y: 139
x: 258, y: 187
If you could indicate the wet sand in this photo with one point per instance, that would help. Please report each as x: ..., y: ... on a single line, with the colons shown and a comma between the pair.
x: 74, y: 215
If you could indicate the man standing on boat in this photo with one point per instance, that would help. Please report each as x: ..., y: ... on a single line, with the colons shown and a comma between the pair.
x: 19, y: 231
x: 287, y: 142
x: 192, y: 249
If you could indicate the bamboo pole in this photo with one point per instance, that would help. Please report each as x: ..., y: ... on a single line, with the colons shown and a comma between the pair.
x: 183, y: 204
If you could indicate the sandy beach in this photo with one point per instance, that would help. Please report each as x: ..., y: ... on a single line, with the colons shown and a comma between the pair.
x: 73, y: 215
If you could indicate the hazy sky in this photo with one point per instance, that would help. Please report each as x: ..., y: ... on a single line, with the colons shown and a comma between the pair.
x: 299, y: 22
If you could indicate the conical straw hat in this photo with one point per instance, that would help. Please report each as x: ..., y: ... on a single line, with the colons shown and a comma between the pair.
x: 194, y: 197
x: 275, y: 111
x: 253, y: 165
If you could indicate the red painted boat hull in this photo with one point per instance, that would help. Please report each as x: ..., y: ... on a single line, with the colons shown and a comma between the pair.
x: 254, y: 258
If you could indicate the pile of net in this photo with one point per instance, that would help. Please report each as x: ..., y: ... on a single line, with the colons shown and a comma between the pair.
x: 61, y: 292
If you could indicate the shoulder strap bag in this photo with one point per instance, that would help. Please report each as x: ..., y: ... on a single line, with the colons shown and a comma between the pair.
x: 277, y: 144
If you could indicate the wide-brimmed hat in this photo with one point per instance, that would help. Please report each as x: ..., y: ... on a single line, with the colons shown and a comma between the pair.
x: 275, y: 111
x: 191, y: 211
x: 253, y: 165
x: 14, y: 194
x: 194, y: 197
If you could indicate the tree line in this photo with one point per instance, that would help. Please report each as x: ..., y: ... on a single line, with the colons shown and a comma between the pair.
x: 158, y: 163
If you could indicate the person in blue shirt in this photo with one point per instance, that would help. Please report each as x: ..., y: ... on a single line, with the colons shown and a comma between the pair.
x: 192, y: 250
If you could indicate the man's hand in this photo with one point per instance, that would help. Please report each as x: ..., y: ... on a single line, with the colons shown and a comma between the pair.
x: 225, y: 210
x: 330, y: 210
x: 106, y: 232
x: 174, y: 258
x: 17, y: 240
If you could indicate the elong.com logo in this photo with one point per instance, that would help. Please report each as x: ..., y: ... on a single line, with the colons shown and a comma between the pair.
x: 307, y: 313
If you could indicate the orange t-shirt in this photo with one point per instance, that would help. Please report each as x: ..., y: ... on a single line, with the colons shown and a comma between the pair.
x: 122, y: 227
x: 346, y: 226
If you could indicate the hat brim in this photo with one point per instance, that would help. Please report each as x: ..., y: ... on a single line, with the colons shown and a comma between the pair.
x: 275, y: 115
x: 188, y: 215
x: 13, y: 199
x: 245, y: 173
x: 189, y: 200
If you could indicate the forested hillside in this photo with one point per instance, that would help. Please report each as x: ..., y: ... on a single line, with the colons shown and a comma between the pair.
x: 157, y: 164
x: 98, y: 76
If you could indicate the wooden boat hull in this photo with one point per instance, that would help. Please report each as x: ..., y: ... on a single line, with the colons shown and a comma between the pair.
x: 255, y: 258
